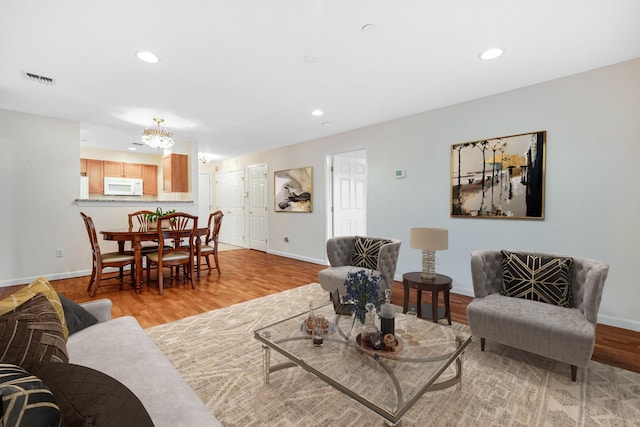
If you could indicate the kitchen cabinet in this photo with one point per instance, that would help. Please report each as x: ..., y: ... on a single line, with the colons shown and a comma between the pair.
x: 132, y: 170
x: 175, y: 173
x: 96, y: 170
x: 122, y: 169
x: 112, y: 168
x: 95, y: 173
x: 150, y: 180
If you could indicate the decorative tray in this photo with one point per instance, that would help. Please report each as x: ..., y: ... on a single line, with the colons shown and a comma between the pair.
x: 383, y: 349
x: 328, y: 330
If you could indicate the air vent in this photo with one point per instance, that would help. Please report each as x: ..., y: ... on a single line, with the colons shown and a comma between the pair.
x: 137, y: 143
x: 39, y: 79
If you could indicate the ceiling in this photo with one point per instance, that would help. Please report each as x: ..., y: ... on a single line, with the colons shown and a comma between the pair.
x: 244, y: 75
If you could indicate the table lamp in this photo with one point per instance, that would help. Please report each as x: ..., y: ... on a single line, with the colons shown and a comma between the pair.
x: 429, y: 240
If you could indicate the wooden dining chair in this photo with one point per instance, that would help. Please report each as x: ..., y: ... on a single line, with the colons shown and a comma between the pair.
x: 104, y: 260
x: 210, y: 246
x: 140, y: 219
x: 176, y: 246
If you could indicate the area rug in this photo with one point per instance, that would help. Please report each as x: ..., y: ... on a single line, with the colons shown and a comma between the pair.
x: 216, y: 354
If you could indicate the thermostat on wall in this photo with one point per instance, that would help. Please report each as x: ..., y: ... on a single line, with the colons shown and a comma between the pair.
x: 400, y: 173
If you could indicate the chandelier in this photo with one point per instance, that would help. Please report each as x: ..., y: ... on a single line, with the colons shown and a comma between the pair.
x: 203, y: 157
x: 157, y: 138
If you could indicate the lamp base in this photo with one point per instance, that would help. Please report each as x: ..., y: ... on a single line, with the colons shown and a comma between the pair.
x: 428, y: 265
x: 428, y: 276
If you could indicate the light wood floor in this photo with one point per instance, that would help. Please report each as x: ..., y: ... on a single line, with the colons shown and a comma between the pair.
x: 248, y: 274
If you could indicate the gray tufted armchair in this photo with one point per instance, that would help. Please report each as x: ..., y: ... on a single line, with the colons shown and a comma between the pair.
x: 339, y: 253
x: 560, y: 333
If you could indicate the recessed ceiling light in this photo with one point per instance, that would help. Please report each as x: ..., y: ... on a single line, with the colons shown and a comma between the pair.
x: 492, y: 53
x: 317, y: 113
x: 148, y: 57
x: 133, y: 149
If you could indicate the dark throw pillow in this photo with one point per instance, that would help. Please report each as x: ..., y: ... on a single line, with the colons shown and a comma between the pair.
x: 32, y: 332
x: 537, y: 278
x: 77, y: 317
x: 26, y: 401
x: 87, y: 397
x: 365, y: 252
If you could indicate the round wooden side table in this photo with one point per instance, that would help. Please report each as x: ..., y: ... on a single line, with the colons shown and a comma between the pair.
x: 441, y: 283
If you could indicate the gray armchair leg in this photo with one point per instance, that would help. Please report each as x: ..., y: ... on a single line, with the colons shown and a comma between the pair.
x: 574, y: 372
x: 481, y: 344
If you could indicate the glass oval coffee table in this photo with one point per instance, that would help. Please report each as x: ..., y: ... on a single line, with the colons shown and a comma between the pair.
x: 387, y: 382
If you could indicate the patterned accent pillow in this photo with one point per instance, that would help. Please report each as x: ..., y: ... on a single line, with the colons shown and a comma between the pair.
x: 38, y: 286
x: 32, y: 332
x: 537, y: 278
x: 26, y: 401
x: 365, y: 252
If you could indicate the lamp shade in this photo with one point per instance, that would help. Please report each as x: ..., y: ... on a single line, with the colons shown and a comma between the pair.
x: 429, y: 239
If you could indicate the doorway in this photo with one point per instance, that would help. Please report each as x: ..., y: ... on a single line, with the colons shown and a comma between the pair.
x: 258, y: 209
x: 347, y: 193
x: 230, y: 200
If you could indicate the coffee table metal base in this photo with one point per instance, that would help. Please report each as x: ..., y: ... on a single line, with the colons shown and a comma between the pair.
x: 389, y: 419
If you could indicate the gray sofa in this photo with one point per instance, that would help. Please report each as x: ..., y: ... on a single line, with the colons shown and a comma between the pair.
x: 560, y: 333
x: 339, y: 252
x: 121, y: 349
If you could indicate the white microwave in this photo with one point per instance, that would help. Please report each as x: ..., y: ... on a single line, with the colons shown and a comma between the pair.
x: 122, y: 186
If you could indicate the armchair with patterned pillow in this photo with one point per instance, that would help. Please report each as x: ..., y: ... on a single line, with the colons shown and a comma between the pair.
x: 347, y: 254
x: 542, y: 303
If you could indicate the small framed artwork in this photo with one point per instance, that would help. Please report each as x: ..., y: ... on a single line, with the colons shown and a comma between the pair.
x: 500, y: 177
x: 293, y: 190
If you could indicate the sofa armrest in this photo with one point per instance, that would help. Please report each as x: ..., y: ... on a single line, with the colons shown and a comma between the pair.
x: 101, y: 309
x: 486, y: 272
x: 593, y: 287
x: 388, y: 259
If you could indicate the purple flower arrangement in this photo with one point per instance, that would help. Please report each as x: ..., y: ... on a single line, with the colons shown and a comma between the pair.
x: 362, y: 288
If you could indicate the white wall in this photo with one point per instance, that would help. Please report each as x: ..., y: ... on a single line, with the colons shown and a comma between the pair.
x: 39, y: 169
x: 591, y: 201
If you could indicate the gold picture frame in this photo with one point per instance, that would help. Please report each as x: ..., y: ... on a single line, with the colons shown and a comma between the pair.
x: 499, y: 177
x: 293, y: 190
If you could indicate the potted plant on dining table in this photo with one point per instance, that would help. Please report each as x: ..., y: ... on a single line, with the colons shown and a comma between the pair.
x: 153, y: 218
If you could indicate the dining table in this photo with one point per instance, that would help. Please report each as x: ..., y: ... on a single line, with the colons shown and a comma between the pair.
x: 136, y: 235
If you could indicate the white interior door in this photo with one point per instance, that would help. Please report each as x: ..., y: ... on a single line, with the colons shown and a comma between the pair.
x: 204, y: 198
x: 230, y: 200
x: 348, y: 173
x: 258, y: 209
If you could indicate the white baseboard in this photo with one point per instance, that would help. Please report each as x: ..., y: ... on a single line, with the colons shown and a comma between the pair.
x: 56, y: 276
x: 298, y: 257
x: 619, y: 323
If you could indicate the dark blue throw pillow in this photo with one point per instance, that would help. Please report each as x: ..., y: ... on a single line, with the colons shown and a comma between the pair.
x: 87, y: 397
x: 77, y: 317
